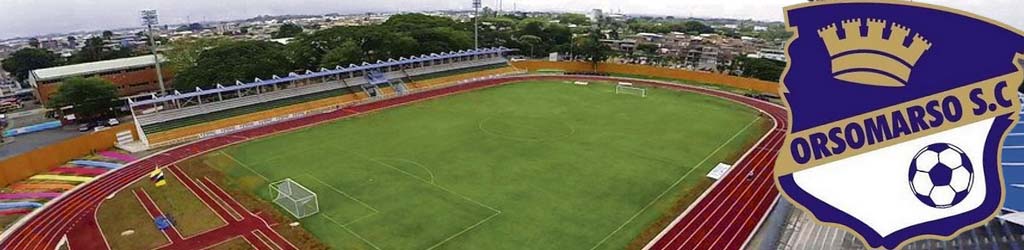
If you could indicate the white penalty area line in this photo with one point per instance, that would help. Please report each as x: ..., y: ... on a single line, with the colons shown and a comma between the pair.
x: 456, y: 235
x: 351, y: 232
x: 342, y: 192
x: 427, y: 182
x: 676, y: 183
x: 373, y: 212
x: 481, y: 222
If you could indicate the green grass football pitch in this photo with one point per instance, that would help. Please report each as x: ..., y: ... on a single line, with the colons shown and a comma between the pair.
x: 536, y: 165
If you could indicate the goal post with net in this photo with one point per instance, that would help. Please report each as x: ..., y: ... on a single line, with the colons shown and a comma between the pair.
x: 627, y: 89
x: 295, y: 198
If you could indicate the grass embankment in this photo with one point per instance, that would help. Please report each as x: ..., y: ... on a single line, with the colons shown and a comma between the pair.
x: 124, y: 212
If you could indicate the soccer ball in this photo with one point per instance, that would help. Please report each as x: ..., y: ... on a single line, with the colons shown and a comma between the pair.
x: 941, y: 175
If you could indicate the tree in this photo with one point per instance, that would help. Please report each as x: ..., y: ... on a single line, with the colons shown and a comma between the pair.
x: 641, y: 25
x: 348, y: 53
x: 533, y: 27
x: 91, y: 52
x: 241, y: 60
x: 287, y: 30
x: 416, y: 21
x: 764, y: 69
x: 190, y: 27
x: 94, y: 50
x: 531, y: 41
x: 91, y: 97
x: 557, y: 34
x: 577, y: 19
x: 376, y: 42
x: 693, y: 27
x: 614, y: 35
x: 440, y: 39
x: 107, y: 34
x: 33, y: 42
x: 593, y: 50
x: 184, y: 53
x: 21, y: 62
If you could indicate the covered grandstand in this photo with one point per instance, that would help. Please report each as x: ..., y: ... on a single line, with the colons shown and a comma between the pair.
x: 1013, y: 172
x: 382, y: 79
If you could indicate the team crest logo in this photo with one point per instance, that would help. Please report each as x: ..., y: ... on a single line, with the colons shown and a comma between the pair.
x: 898, y: 112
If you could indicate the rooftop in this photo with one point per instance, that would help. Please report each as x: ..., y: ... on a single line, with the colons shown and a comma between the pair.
x: 93, y: 67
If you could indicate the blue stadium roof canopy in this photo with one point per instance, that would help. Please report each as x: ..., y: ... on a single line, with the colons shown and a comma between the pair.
x: 1013, y: 169
x: 323, y: 72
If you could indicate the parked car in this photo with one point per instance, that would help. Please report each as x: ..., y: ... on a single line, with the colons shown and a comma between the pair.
x: 85, y: 127
x: 113, y: 122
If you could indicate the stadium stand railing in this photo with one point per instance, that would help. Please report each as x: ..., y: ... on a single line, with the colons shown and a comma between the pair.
x: 376, y: 77
x: 241, y: 99
x: 183, y: 105
x: 211, y: 123
x: 255, y: 119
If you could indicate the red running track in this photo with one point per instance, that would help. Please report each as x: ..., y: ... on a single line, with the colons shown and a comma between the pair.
x: 46, y: 226
x: 729, y: 212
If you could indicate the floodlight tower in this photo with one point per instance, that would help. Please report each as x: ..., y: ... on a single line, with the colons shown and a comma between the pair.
x: 149, y: 18
x: 476, y: 24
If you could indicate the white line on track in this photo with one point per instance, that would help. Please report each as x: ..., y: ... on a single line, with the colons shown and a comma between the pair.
x: 761, y: 184
x: 777, y: 127
x: 695, y: 166
x: 764, y: 198
x: 49, y: 220
x: 757, y: 158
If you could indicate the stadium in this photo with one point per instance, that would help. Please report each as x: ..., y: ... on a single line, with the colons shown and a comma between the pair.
x: 378, y: 125
x: 454, y: 150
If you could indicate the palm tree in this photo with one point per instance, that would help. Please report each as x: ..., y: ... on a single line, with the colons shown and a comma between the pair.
x: 531, y: 41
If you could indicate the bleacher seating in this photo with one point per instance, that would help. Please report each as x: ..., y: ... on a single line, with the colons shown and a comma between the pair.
x: 376, y: 77
x: 177, y: 123
x: 170, y: 114
x: 173, y: 114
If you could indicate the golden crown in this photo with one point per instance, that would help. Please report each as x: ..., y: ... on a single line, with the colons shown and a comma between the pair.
x: 872, y: 59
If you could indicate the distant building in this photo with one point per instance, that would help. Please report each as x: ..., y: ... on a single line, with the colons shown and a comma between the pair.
x: 650, y: 37
x: 773, y: 54
x: 131, y: 76
x: 623, y: 46
x: 596, y: 16
x: 51, y: 44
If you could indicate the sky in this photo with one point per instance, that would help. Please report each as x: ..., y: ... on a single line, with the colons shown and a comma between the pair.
x: 40, y: 17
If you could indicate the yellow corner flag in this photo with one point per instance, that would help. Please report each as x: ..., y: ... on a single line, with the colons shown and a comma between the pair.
x: 157, y: 176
